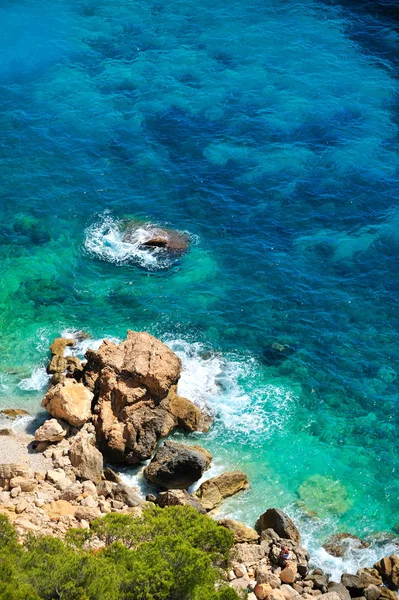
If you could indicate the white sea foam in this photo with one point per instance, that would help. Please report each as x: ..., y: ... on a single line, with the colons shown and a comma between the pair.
x: 36, y: 382
x: 82, y: 345
x: 104, y: 239
x: 225, y: 386
x: 354, y: 558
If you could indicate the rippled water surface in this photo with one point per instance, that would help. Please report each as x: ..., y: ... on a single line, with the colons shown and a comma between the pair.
x: 265, y: 130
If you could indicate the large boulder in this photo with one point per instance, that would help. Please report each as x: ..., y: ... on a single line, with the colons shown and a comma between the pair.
x: 177, y: 465
x: 241, y: 532
x: 388, y: 568
x: 281, y: 523
x: 69, y: 401
x: 213, y: 491
x: 178, y: 498
x: 141, y: 360
x: 52, y: 430
x: 136, y: 399
x: 86, y: 459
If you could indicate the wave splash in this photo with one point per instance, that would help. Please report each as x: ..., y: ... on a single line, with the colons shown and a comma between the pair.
x: 227, y: 386
x: 105, y: 239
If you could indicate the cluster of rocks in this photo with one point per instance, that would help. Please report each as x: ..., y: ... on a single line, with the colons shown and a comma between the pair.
x: 75, y: 489
x: 117, y: 406
x: 257, y: 566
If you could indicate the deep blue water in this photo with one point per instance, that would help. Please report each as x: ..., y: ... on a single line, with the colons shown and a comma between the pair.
x: 266, y: 130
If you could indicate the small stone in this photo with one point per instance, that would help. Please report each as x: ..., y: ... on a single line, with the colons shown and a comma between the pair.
x: 15, y: 492
x: 89, y: 501
x: 117, y: 504
x: 231, y: 575
x: 27, y: 525
x: 240, y: 570
x: 55, y: 475
x: 21, y: 506
x: 262, y: 590
x: 289, y: 592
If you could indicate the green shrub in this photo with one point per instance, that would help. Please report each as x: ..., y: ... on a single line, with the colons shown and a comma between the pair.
x: 167, y: 554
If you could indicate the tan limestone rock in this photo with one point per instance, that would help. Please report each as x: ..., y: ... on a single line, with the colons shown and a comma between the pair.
x: 241, y: 532
x: 86, y: 459
x: 60, y: 508
x: 213, y: 491
x: 262, y: 590
x: 69, y: 401
x: 52, y: 430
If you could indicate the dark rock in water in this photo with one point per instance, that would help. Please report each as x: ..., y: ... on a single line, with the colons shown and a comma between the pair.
x: 177, y: 466
x: 178, y: 498
x: 277, y: 353
x: 149, y: 236
x: 338, y: 544
x: 277, y: 520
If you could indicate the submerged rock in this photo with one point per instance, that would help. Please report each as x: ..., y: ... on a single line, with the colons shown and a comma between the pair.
x: 213, y: 491
x: 177, y: 466
x: 324, y: 496
x: 14, y: 413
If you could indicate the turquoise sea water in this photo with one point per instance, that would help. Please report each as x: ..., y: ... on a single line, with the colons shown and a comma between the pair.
x: 268, y: 131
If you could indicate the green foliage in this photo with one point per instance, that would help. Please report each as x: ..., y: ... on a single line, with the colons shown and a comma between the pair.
x: 167, y: 554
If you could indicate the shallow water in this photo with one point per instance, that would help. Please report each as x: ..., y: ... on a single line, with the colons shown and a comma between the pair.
x: 268, y: 132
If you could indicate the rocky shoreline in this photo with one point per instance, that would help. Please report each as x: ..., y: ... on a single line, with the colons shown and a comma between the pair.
x: 115, y: 408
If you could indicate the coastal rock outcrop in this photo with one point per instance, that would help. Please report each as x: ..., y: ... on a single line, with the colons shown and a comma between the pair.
x: 136, y: 402
x: 58, y: 363
x: 281, y: 523
x: 388, y: 568
x: 213, y: 491
x: 177, y: 466
x: 69, y: 401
